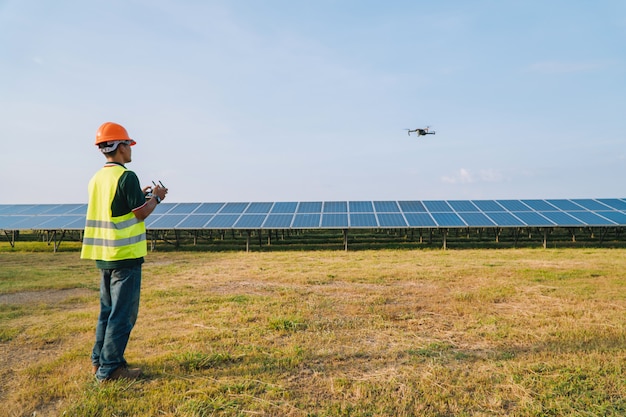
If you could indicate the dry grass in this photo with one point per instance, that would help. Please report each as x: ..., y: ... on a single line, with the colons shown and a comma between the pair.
x: 525, y: 332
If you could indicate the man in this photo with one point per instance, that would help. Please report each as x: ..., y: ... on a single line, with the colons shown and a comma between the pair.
x: 115, y: 237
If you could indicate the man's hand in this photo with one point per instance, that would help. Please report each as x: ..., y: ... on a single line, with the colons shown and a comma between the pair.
x: 159, y: 191
x: 151, y: 193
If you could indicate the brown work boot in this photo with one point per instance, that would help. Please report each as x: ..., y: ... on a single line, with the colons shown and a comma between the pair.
x: 125, y: 372
x: 94, y: 369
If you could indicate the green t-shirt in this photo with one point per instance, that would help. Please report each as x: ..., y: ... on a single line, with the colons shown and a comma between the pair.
x: 128, y: 197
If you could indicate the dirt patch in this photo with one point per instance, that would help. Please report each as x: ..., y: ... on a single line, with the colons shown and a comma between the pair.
x: 45, y: 297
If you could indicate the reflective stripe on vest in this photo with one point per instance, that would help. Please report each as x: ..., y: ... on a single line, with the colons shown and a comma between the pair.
x: 109, y: 238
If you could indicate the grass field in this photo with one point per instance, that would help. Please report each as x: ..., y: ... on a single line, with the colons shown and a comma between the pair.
x: 519, y: 332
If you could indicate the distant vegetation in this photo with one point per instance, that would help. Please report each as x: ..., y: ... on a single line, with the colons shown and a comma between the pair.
x: 333, y: 239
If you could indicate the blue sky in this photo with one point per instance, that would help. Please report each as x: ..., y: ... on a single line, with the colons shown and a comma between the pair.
x: 284, y: 100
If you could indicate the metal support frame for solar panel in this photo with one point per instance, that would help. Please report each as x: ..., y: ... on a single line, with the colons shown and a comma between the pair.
x: 438, y: 215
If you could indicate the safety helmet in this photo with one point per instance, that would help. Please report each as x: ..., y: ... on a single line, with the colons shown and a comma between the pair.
x: 110, y: 132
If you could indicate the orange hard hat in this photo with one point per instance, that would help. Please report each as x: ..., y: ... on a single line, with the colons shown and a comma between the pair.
x: 109, y: 132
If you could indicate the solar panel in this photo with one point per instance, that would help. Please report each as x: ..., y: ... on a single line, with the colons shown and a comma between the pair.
x: 564, y: 205
x: 363, y: 220
x: 590, y: 219
x: 539, y: 205
x: 164, y: 208
x: 166, y: 221
x: 391, y: 220
x: 476, y: 219
x: 420, y: 220
x: 68, y: 209
x: 561, y: 218
x: 335, y: 207
x: 41, y: 222
x: 615, y: 203
x: 615, y: 216
x: 79, y: 209
x: 448, y: 220
x: 278, y: 221
x: 259, y: 208
x: 29, y: 209
x: 184, y: 208
x: 441, y: 206
x: 386, y: 207
x: 209, y: 208
x: 532, y: 218
x: 222, y: 221
x: 412, y: 206
x: 307, y: 220
x: 249, y: 221
x: 361, y: 207
x: 488, y: 205
x: 38, y: 209
x: 504, y: 219
x: 284, y: 207
x: 232, y: 208
x: 30, y: 222
x: 310, y: 207
x: 590, y: 204
x: 334, y: 220
x: 513, y: 205
x: 63, y: 222
x: 14, y: 209
x: 195, y: 221
x: 78, y: 224
x: 463, y: 206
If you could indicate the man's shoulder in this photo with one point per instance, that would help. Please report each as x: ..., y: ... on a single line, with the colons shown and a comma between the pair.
x: 129, y: 172
x: 129, y: 176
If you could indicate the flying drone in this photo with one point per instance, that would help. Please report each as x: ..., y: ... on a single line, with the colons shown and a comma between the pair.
x: 420, y: 132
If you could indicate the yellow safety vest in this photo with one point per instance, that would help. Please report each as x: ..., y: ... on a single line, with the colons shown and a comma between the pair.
x: 109, y: 238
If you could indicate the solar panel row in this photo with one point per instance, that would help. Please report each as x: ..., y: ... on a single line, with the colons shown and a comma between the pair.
x: 339, y: 214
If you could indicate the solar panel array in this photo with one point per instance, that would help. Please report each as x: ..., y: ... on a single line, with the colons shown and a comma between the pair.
x: 339, y: 214
x: 42, y: 216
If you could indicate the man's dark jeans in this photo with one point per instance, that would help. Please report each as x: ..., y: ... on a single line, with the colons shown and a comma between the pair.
x: 119, y: 305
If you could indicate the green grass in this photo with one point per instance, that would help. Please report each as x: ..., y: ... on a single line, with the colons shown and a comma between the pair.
x: 519, y: 332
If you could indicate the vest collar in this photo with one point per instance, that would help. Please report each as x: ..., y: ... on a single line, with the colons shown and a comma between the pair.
x: 112, y: 164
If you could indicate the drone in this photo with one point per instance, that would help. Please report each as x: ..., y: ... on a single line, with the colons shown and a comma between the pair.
x: 419, y: 132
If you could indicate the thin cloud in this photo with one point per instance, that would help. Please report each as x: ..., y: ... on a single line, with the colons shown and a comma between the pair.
x: 463, y: 176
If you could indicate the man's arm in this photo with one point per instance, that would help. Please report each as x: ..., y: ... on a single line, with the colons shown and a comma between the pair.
x: 142, y: 212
